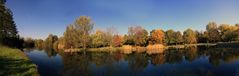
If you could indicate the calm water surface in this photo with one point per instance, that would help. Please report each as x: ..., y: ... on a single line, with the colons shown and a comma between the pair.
x: 194, y: 61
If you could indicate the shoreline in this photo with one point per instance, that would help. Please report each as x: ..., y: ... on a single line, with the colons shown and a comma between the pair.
x: 13, y: 60
x: 160, y: 49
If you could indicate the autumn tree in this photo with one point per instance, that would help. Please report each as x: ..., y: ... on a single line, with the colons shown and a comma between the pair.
x: 61, y: 43
x: 213, y: 33
x: 141, y: 36
x: 226, y: 32
x: 129, y: 38
x: 83, y: 26
x: 236, y: 37
x: 117, y: 41
x: 170, y: 37
x: 39, y: 43
x: 98, y: 39
x: 77, y: 35
x: 70, y: 38
x: 189, y: 36
x: 229, y: 32
x: 49, y: 41
x: 178, y: 37
x: 109, y: 33
x: 137, y: 35
x: 157, y: 36
x: 201, y: 37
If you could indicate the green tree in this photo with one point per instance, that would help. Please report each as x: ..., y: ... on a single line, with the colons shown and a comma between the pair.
x: 127, y: 40
x: 2, y: 1
x: 28, y: 43
x: 8, y: 31
x: 98, y: 39
x: 170, y: 37
x: 189, y: 36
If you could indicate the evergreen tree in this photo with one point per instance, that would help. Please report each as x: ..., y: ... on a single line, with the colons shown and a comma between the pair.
x: 8, y: 31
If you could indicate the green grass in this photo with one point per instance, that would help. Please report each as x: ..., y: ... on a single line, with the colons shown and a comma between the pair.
x: 14, y: 62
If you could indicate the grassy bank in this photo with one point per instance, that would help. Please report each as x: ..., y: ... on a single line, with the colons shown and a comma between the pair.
x: 13, y: 62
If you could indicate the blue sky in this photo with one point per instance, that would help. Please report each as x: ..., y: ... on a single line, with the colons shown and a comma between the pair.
x: 38, y: 18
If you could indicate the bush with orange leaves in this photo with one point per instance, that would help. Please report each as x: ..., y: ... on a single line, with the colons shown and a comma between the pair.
x: 156, y: 48
x: 127, y: 49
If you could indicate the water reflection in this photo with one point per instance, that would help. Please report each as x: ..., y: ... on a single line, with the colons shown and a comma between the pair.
x: 76, y: 65
x: 48, y: 63
x: 194, y: 61
x: 191, y: 53
x: 137, y: 62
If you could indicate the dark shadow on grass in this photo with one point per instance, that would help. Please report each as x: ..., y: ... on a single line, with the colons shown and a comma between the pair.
x: 11, y: 66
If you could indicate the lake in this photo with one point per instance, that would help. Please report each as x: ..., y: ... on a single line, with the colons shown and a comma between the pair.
x: 193, y: 61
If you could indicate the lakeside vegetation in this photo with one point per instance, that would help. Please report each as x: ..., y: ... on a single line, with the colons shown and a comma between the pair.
x: 14, y: 62
x: 81, y: 36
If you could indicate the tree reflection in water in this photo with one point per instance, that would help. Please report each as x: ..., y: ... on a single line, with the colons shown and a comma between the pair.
x: 50, y: 52
x: 158, y: 59
x: 191, y: 53
x: 188, y: 61
x: 79, y: 64
x: 137, y: 62
x: 76, y: 64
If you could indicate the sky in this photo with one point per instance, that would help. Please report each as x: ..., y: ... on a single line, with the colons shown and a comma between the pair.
x: 38, y: 18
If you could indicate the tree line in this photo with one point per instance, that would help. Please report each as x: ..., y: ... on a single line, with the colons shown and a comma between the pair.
x: 80, y: 35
